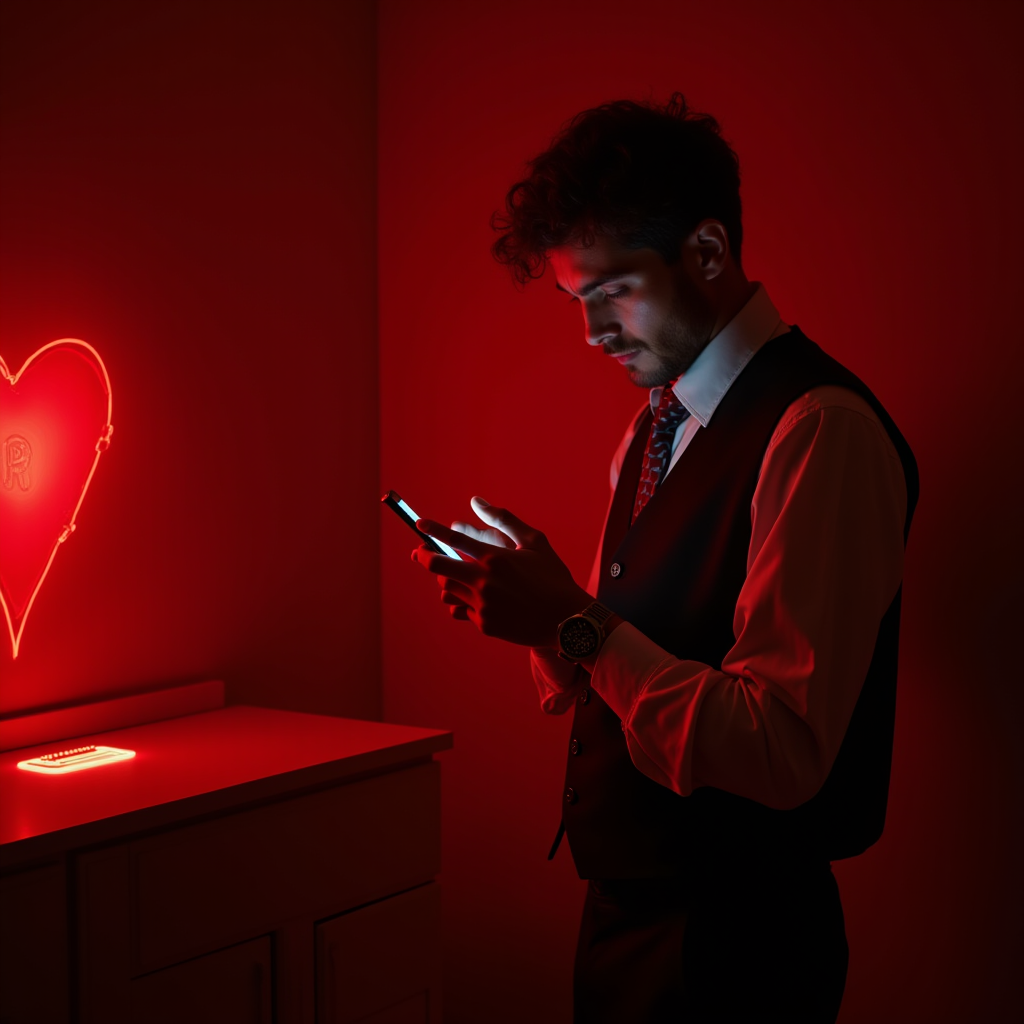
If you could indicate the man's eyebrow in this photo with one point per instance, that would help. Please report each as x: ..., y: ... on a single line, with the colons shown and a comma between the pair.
x: 591, y: 285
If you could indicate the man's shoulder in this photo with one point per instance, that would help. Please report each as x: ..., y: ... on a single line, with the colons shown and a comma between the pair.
x: 831, y: 403
x: 830, y: 396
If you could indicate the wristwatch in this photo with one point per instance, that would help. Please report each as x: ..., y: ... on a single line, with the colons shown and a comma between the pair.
x: 581, y: 635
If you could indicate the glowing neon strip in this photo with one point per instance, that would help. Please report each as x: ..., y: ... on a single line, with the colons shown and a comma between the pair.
x: 74, y: 760
x: 101, y: 446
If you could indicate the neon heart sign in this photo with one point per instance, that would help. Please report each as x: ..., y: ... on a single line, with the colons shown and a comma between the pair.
x: 54, y: 426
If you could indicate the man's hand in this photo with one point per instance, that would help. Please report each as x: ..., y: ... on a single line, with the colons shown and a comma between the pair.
x: 512, y: 586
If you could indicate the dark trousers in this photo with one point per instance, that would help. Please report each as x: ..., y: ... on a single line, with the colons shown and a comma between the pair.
x: 744, y: 947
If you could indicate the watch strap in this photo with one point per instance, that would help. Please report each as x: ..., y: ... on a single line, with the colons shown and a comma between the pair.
x: 597, y: 611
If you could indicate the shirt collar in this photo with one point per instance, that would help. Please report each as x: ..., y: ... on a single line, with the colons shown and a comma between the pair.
x: 706, y: 382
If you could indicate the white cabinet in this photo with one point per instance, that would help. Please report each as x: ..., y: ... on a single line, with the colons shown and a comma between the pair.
x: 381, y: 964
x: 296, y: 903
x: 34, y: 946
x: 231, y: 986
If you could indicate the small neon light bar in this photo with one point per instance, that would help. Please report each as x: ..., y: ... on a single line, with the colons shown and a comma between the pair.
x: 74, y: 760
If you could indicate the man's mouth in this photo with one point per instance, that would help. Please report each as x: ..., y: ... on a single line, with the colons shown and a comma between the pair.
x: 625, y: 357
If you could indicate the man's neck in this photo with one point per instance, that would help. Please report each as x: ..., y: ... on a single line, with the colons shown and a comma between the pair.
x: 732, y: 297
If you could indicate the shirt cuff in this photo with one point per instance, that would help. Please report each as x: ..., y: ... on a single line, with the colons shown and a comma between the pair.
x: 624, y: 666
x: 557, y: 680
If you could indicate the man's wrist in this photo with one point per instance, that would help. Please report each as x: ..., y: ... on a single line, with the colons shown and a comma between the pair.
x: 609, y: 627
x: 582, y: 634
x: 572, y: 604
x: 552, y: 648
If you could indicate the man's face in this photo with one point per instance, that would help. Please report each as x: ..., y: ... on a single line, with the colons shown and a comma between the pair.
x: 651, y: 317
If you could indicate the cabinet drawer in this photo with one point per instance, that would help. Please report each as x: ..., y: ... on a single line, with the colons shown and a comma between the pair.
x: 205, y: 886
x: 381, y: 964
x: 231, y: 986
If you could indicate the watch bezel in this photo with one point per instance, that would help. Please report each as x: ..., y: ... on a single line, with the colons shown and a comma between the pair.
x: 597, y: 632
x: 577, y: 643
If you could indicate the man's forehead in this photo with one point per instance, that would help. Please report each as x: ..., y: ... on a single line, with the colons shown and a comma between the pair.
x: 583, y: 267
x: 598, y: 253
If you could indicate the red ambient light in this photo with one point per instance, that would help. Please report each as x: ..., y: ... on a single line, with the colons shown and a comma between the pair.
x: 54, y: 426
x: 74, y: 760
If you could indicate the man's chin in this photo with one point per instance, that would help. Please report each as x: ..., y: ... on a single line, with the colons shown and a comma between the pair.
x: 649, y: 377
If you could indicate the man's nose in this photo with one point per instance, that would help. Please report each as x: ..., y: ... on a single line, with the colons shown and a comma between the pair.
x: 598, y: 326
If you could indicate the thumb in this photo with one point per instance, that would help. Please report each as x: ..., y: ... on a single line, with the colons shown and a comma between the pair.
x: 515, y: 529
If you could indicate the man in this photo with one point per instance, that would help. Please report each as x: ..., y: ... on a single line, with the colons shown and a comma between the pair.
x: 732, y: 662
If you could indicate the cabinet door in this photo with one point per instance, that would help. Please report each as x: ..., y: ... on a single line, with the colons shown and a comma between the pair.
x: 34, y: 947
x: 231, y: 986
x: 203, y: 887
x: 381, y: 964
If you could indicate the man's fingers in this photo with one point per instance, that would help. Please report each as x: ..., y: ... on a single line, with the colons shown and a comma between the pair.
x: 454, y: 592
x: 521, y: 533
x: 489, y: 536
x: 459, y: 541
x: 442, y: 565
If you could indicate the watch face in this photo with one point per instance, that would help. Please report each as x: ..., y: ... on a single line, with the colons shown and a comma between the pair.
x: 578, y: 638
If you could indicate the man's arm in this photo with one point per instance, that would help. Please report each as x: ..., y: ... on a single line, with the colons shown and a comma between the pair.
x: 558, y: 681
x: 824, y: 563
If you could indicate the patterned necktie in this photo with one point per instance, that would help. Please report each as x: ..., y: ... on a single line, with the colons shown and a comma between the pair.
x: 670, y: 413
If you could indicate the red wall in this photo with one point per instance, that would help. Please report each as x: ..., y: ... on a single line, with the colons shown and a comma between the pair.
x: 190, y: 187
x: 882, y: 155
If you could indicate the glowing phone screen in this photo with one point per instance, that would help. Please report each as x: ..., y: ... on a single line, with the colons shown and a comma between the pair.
x: 446, y: 549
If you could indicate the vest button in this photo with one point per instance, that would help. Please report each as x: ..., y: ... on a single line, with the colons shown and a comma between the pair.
x: 615, y: 570
x: 571, y: 796
x: 584, y: 695
x: 574, y: 747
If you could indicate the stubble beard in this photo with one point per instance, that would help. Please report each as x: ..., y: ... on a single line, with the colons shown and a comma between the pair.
x: 678, y: 344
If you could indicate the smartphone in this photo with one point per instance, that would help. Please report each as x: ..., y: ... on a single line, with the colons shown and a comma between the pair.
x: 395, y: 501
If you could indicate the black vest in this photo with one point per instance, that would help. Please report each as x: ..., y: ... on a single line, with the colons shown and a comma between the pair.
x: 680, y: 570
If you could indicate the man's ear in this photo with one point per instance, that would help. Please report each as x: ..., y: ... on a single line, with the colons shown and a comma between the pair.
x: 709, y: 243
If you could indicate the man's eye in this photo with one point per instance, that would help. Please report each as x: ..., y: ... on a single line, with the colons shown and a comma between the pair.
x: 618, y: 293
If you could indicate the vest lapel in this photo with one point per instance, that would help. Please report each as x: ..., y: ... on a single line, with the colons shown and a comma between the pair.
x: 625, y: 491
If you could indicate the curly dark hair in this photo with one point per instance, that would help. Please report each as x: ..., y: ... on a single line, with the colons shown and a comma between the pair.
x: 641, y: 174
